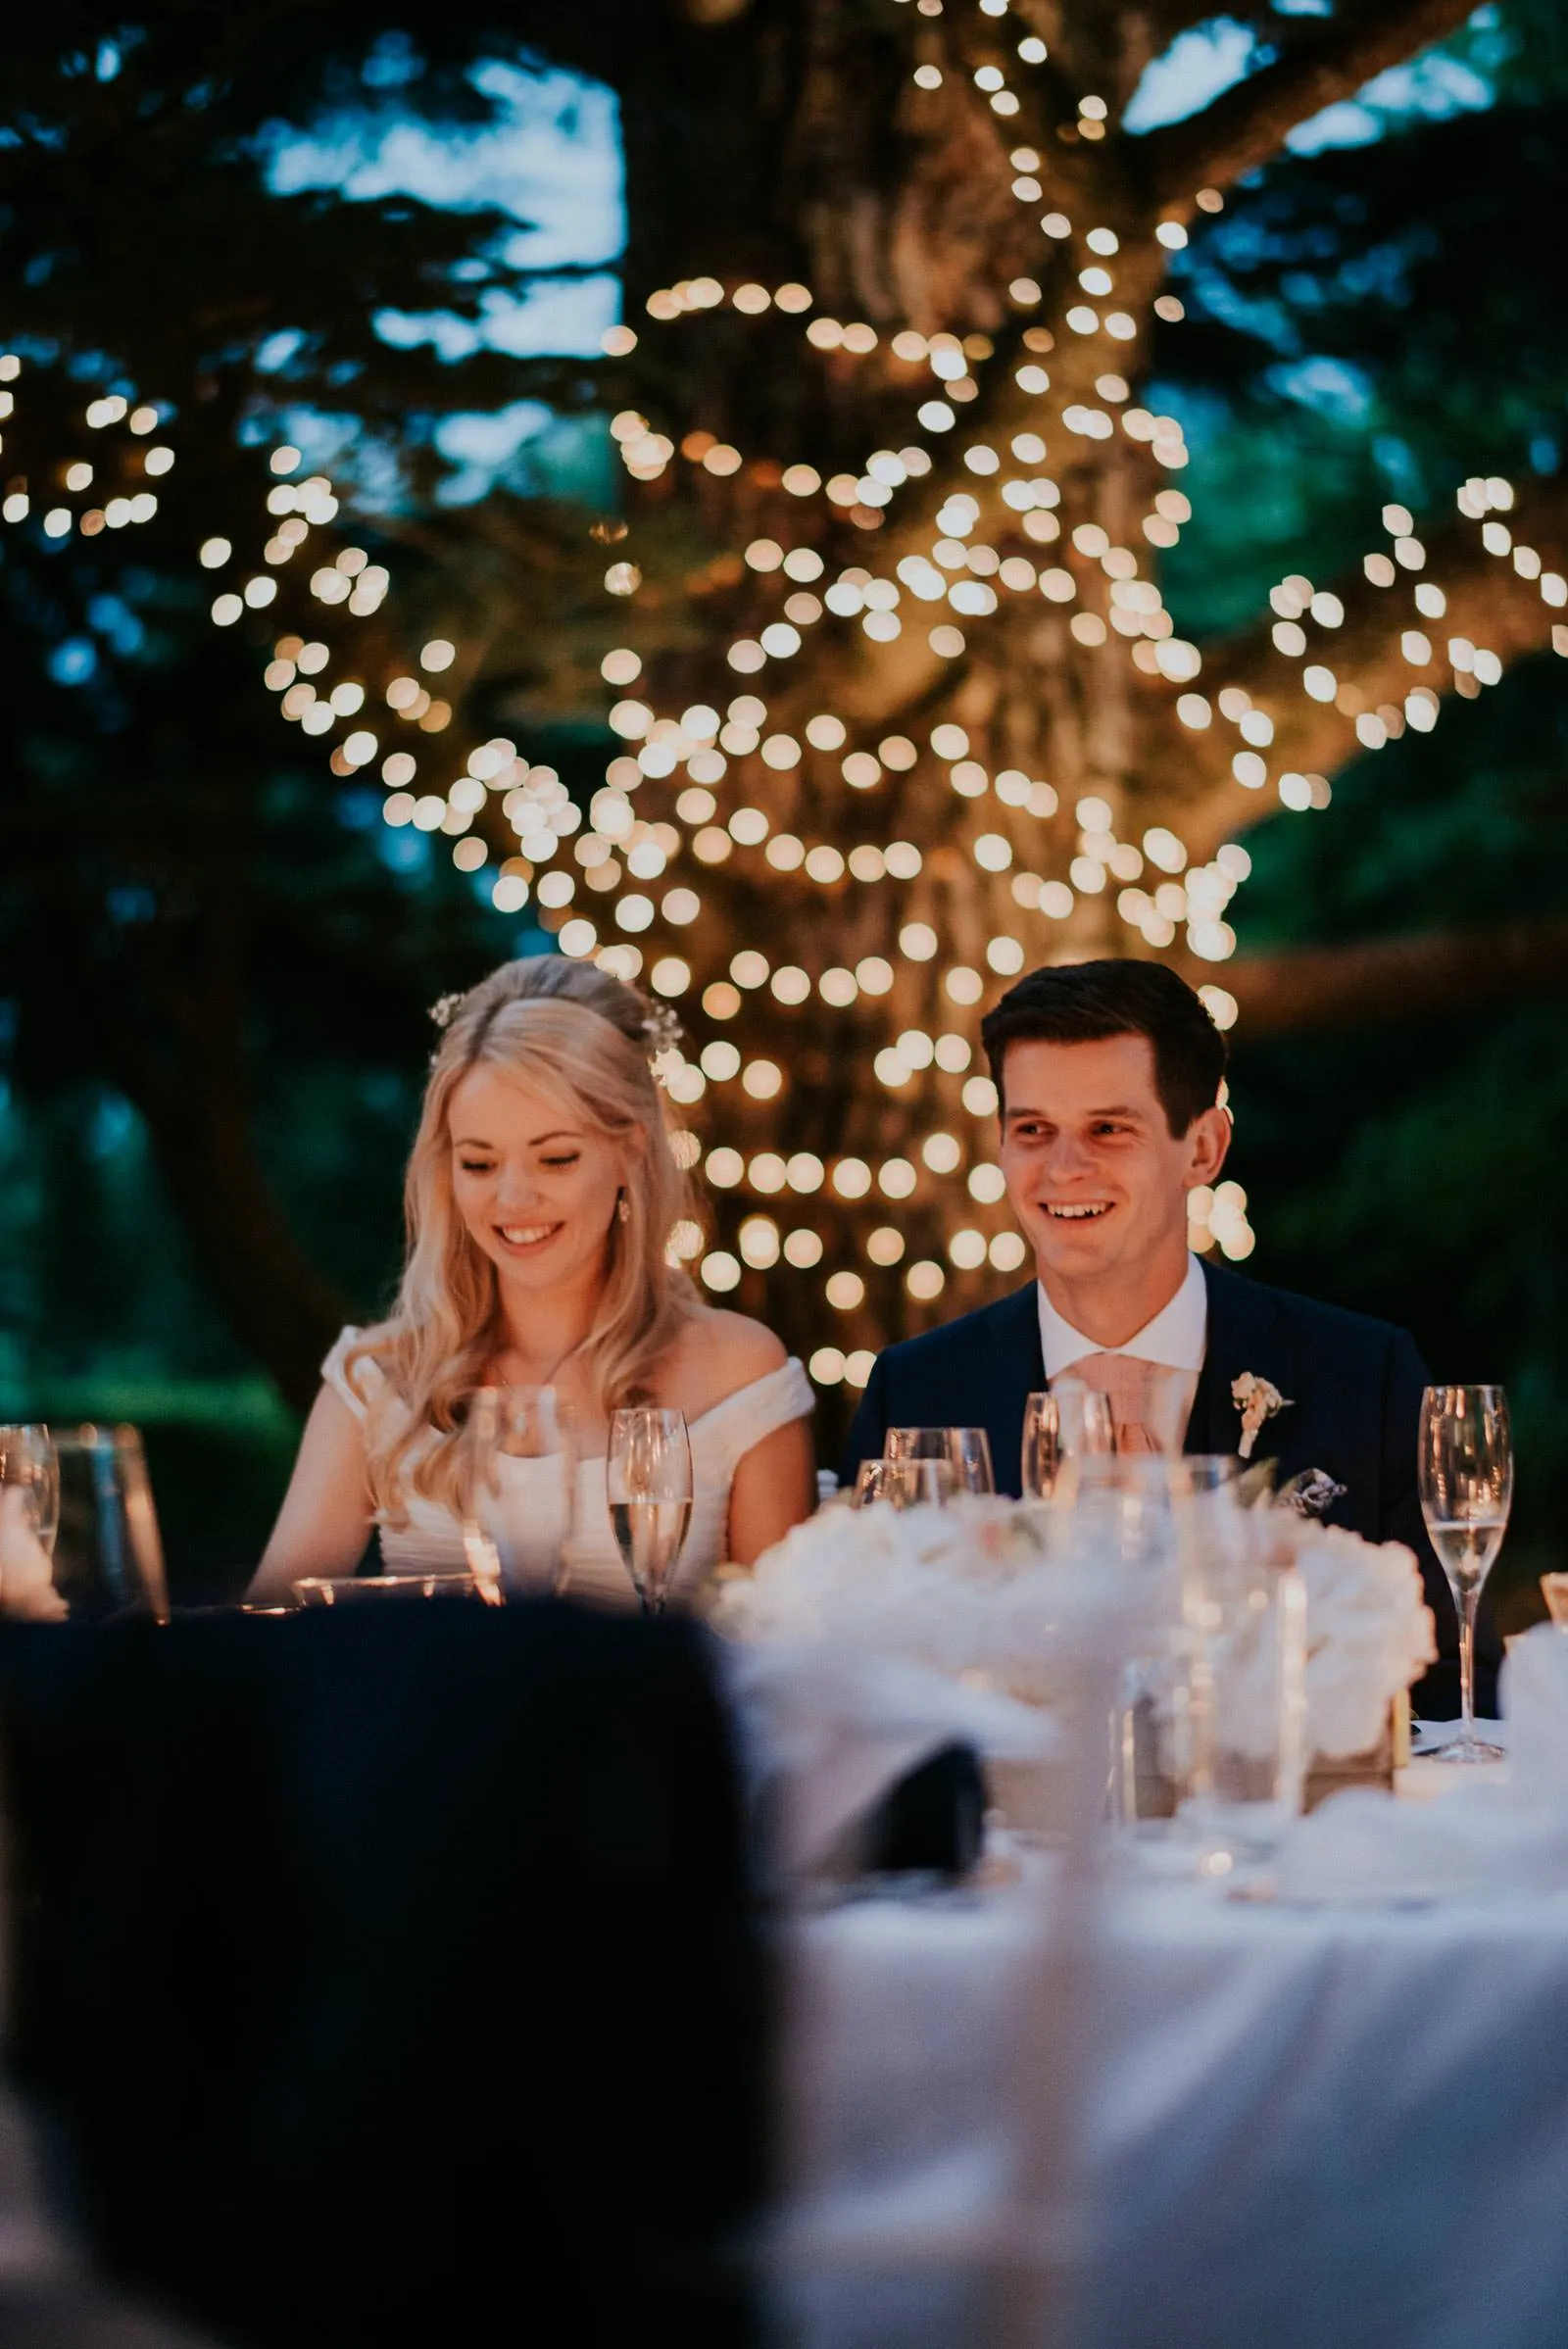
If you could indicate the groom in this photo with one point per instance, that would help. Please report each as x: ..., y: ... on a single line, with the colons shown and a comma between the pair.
x: 1109, y: 1075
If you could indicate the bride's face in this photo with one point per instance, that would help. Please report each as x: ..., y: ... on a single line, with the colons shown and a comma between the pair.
x: 535, y: 1187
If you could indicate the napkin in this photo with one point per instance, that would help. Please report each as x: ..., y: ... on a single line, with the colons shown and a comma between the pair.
x: 1482, y: 1838
x: 27, y: 1578
x: 827, y: 1729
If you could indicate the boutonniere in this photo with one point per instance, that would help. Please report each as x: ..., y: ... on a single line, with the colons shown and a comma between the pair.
x: 1256, y: 1399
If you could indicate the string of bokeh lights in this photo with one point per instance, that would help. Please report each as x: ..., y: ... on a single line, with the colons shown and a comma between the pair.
x: 949, y: 561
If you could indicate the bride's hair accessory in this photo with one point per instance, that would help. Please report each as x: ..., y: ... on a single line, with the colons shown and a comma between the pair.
x: 659, y: 1028
x: 662, y: 1030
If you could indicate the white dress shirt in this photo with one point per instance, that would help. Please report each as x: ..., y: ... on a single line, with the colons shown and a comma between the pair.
x: 1177, y: 1335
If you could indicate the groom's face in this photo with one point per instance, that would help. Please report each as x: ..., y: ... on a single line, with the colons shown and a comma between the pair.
x: 1095, y: 1176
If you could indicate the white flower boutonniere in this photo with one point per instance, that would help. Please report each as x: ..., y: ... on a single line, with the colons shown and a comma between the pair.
x: 1256, y: 1399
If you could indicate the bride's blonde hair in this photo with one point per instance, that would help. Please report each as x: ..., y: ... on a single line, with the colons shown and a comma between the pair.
x: 575, y: 1033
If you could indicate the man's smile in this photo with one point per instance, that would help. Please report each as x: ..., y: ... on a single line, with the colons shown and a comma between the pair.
x: 1083, y: 1210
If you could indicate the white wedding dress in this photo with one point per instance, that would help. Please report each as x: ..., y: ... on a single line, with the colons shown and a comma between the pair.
x: 532, y: 1503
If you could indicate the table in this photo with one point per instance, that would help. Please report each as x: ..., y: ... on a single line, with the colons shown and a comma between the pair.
x: 1308, y: 2129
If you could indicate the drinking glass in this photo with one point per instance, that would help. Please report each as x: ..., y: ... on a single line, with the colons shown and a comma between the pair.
x: 107, y: 1556
x: 874, y: 1481
x: 922, y: 1484
x: 1465, y: 1470
x: 648, y: 1476
x: 1055, y: 1426
x: 1248, y: 1763
x: 30, y: 1461
x: 518, y: 1488
x: 967, y: 1449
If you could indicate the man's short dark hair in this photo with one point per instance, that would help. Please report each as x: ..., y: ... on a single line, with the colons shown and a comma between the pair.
x: 1079, y: 1002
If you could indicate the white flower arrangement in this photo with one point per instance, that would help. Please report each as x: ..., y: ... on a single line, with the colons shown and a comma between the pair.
x: 962, y: 1588
x: 1369, y: 1630
x: 973, y: 1592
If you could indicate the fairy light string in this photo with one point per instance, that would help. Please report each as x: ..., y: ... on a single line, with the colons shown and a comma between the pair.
x: 765, y: 790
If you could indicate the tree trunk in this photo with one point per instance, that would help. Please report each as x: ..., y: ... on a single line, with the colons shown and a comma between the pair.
x: 903, y: 169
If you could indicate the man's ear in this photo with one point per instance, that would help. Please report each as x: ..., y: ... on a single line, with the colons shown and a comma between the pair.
x: 1208, y: 1141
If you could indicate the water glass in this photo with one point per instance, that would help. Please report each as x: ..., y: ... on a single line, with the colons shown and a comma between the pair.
x: 1116, y: 1516
x: 967, y: 1450
x: 107, y: 1556
x: 1464, y: 1473
x: 922, y: 1483
x: 518, y: 1488
x: 1056, y: 1425
x: 1249, y: 1704
x: 648, y: 1479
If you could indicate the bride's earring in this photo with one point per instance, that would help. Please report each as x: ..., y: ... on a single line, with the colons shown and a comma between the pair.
x: 622, y: 1207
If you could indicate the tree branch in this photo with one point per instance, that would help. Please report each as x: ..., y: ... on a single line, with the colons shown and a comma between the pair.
x: 1488, y: 602
x: 1389, y: 978
x: 1326, y: 61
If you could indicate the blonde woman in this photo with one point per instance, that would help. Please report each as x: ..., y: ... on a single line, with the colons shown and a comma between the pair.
x: 540, y: 1194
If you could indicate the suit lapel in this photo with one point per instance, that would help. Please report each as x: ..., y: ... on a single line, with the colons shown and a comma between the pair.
x: 1245, y: 1333
x: 1010, y: 1368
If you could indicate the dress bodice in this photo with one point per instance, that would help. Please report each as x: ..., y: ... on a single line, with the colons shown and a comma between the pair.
x: 531, y: 1509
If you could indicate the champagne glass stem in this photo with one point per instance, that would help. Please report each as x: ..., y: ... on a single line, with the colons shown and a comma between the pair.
x: 1469, y: 1601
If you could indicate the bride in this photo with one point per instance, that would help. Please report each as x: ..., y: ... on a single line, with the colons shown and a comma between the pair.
x: 540, y: 1194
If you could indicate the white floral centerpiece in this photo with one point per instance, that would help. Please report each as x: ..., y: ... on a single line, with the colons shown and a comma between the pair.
x: 972, y: 1589
x: 964, y: 1589
x: 1369, y: 1630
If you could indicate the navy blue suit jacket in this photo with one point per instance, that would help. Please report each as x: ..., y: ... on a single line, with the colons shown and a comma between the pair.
x: 1355, y: 1385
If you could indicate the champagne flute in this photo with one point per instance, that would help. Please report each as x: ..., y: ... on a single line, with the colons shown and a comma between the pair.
x: 1059, y: 1426
x: 1464, y: 1469
x: 648, y: 1476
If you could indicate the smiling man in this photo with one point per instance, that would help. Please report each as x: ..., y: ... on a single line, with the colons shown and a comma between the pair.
x: 1110, y: 1079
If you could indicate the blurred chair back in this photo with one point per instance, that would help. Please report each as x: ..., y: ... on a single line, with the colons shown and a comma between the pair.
x: 379, y: 1970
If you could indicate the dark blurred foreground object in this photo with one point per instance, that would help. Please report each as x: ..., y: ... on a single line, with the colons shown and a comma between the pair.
x: 933, y: 1821
x: 386, y: 1975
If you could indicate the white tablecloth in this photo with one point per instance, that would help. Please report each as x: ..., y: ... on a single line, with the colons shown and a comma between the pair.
x: 1309, y: 2129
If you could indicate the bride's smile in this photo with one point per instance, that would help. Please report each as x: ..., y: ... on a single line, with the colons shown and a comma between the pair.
x: 536, y: 1193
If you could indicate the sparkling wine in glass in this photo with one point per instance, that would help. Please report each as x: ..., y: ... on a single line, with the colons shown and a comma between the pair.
x: 1464, y: 1466
x: 648, y: 1476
